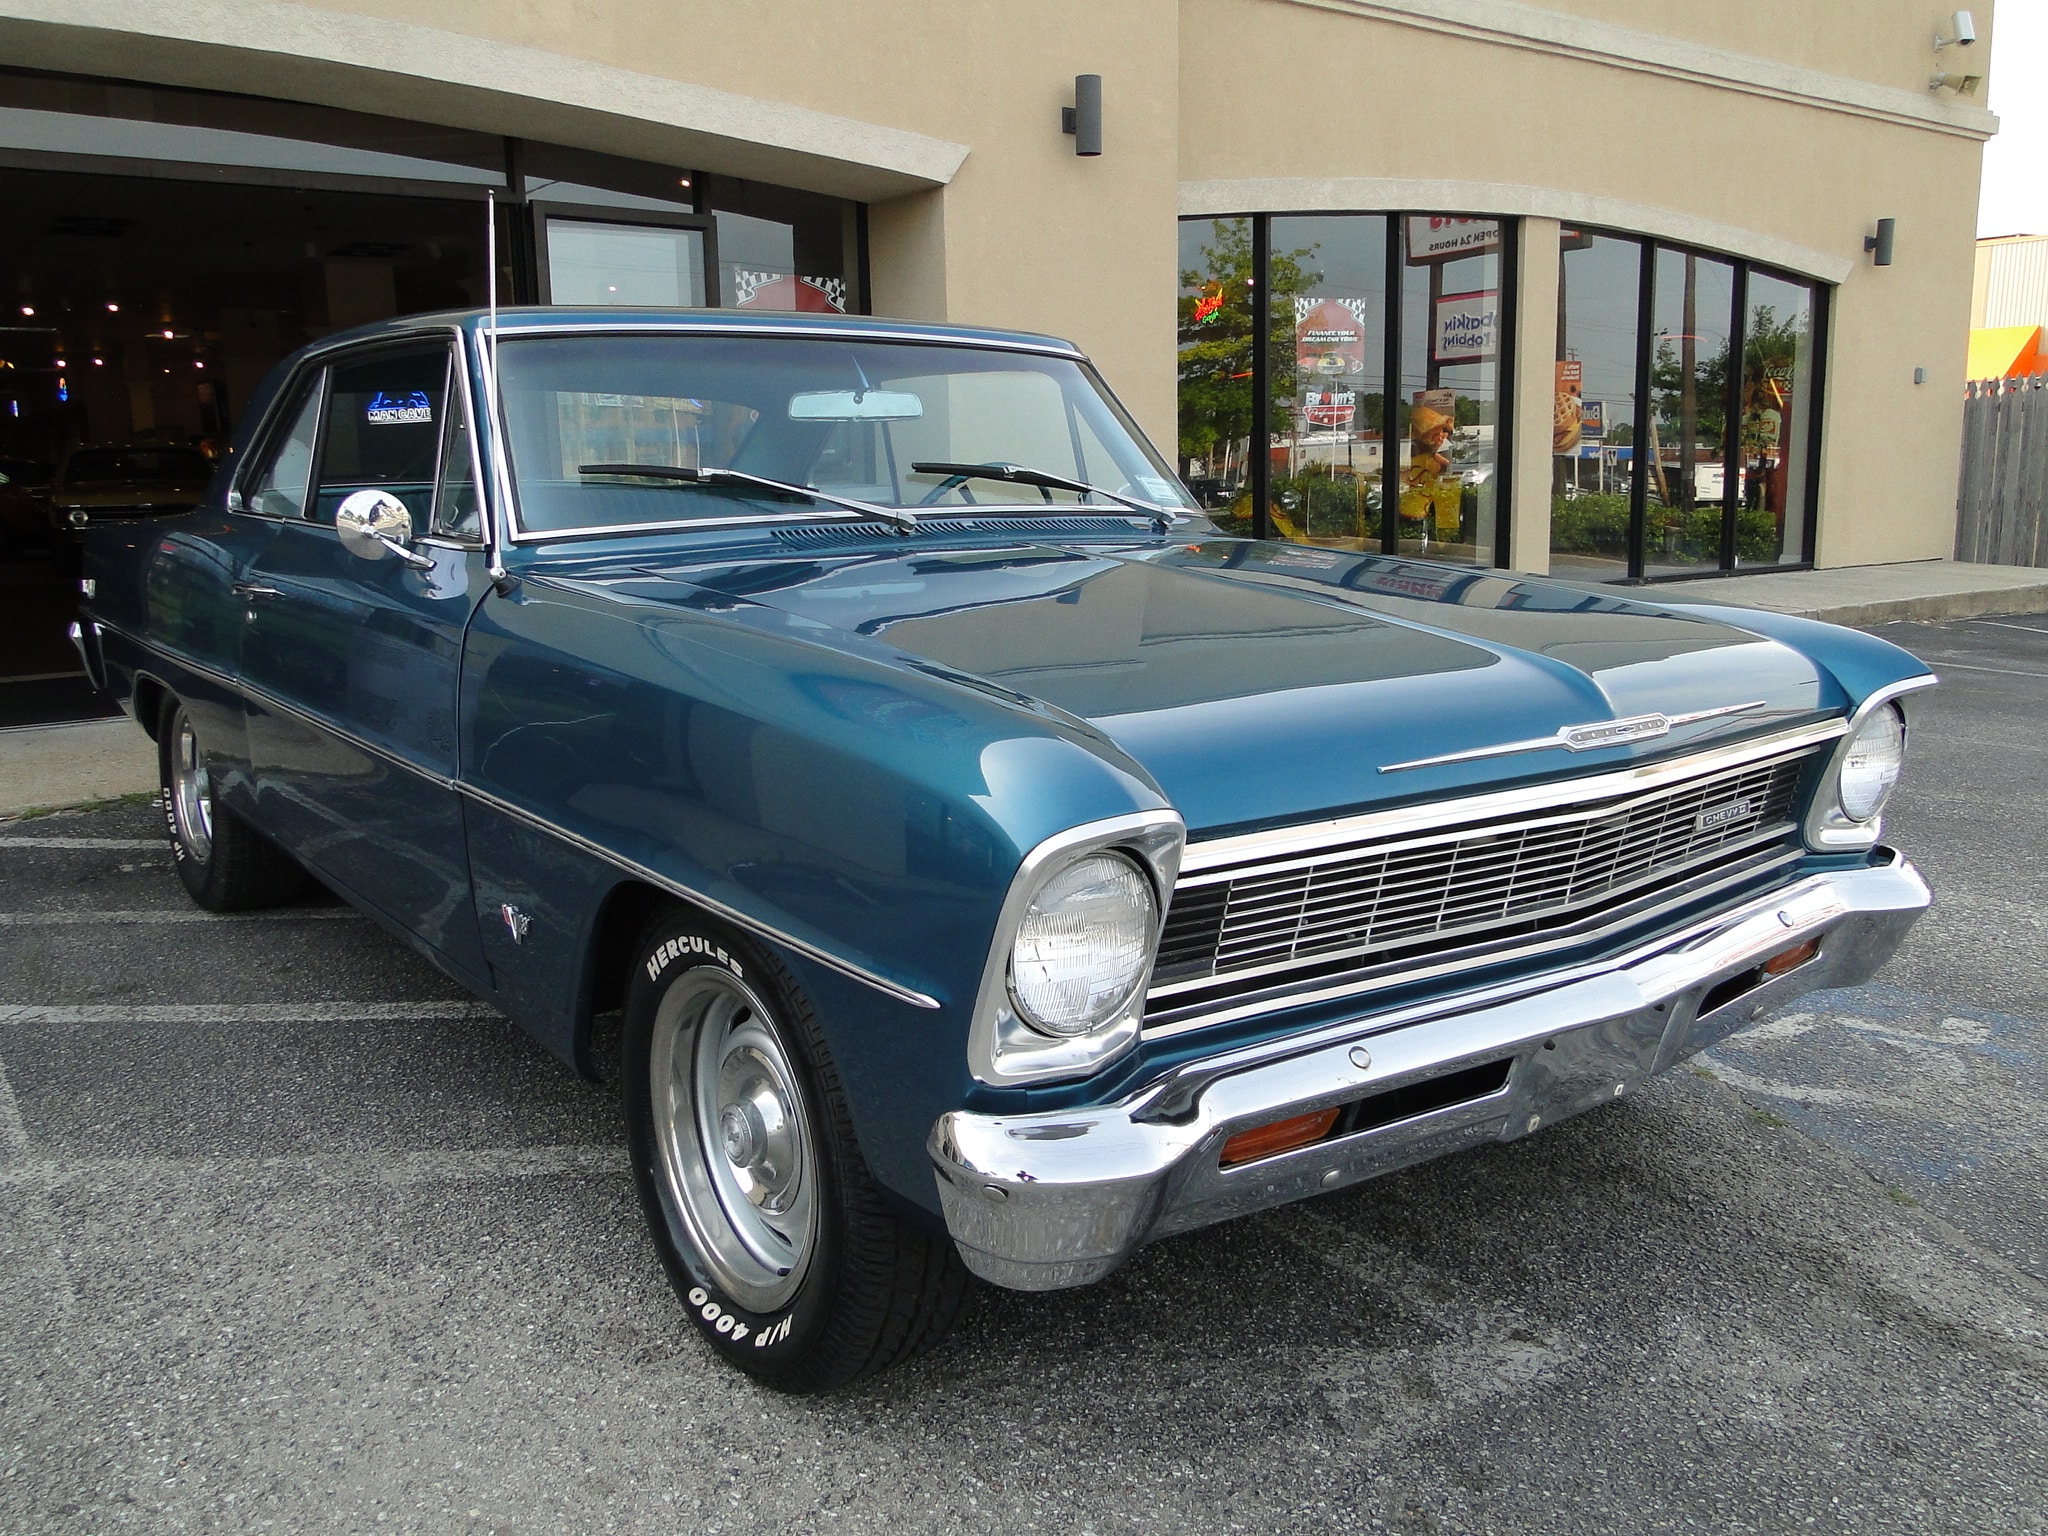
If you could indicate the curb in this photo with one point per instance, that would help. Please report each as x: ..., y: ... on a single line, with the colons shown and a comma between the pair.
x: 1930, y: 608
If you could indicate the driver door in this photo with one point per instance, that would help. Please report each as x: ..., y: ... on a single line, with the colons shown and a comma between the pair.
x: 352, y: 662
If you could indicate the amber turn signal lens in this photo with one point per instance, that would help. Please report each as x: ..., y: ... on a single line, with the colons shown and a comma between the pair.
x: 1785, y: 959
x: 1278, y: 1136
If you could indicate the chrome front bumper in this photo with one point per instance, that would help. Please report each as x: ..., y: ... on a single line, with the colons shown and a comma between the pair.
x: 1042, y: 1201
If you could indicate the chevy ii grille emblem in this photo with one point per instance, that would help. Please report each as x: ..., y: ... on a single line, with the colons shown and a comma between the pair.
x: 1585, y: 738
x: 1721, y: 815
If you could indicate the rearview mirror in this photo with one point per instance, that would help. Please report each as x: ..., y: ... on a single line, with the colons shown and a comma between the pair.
x: 855, y: 405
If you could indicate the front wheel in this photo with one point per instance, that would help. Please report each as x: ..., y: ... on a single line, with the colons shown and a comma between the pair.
x: 226, y: 865
x: 763, y: 1211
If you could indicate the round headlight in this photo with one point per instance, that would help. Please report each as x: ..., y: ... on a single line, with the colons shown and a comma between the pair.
x: 1083, y: 945
x: 1871, y: 765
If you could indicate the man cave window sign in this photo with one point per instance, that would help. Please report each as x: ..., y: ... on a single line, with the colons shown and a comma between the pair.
x: 389, y: 409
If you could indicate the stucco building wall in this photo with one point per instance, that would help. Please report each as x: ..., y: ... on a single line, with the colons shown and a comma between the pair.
x: 1778, y: 133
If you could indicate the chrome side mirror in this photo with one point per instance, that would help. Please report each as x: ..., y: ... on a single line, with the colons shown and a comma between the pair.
x: 374, y: 524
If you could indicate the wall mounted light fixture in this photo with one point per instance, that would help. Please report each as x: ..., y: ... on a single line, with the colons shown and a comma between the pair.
x: 1880, y: 244
x: 1084, y: 118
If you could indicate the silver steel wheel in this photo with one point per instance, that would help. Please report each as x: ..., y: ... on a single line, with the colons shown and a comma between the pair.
x: 191, y: 791
x: 739, y: 1170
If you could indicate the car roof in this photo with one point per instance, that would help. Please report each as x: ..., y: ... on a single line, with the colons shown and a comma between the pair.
x: 763, y: 322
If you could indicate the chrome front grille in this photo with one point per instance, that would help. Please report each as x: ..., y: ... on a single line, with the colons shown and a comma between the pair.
x: 1494, y: 877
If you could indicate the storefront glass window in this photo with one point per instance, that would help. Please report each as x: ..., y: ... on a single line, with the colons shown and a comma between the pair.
x: 1718, y: 471
x: 1686, y: 454
x: 1328, y: 277
x: 1447, y: 409
x: 1777, y: 421
x: 1338, y: 453
x: 598, y: 262
x: 1217, y: 432
x: 1592, y: 439
x: 783, y: 249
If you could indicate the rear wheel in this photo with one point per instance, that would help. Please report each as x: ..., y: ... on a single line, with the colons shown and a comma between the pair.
x: 227, y: 866
x: 764, y: 1213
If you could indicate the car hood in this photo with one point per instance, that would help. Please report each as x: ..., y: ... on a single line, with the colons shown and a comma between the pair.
x: 1263, y: 683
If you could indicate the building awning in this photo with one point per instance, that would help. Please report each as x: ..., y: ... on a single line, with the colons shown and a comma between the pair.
x: 2007, y: 352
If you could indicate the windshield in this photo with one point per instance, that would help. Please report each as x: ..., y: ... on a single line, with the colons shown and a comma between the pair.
x: 849, y: 417
x: 137, y: 464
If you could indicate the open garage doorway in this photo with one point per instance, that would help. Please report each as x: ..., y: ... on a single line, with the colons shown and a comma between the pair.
x: 141, y: 315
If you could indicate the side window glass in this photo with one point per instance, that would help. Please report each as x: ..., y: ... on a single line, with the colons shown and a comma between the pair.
x: 457, y: 512
x: 279, y: 488
x: 383, y: 427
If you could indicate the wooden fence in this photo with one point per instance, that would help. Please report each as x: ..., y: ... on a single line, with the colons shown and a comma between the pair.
x: 2002, y: 503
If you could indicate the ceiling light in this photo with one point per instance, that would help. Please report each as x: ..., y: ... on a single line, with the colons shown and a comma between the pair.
x: 29, y: 311
x: 113, y: 308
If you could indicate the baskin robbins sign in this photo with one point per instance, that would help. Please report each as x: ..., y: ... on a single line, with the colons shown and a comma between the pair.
x: 1467, y: 326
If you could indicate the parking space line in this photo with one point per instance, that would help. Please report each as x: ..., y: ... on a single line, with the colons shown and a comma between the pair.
x: 1957, y: 666
x: 2025, y: 629
x: 246, y: 1013
x: 439, y: 1166
x: 161, y: 845
x: 171, y: 915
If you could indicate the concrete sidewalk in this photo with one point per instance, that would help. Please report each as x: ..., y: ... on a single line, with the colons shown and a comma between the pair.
x: 47, y: 767
x: 1869, y: 594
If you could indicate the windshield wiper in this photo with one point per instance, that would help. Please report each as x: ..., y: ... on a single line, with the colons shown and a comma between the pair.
x: 902, y: 520
x: 1016, y: 474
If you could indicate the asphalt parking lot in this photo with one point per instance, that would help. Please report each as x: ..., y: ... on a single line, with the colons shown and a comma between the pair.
x: 294, y: 1237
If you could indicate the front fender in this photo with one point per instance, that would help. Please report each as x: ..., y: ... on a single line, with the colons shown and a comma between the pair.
x: 865, y: 820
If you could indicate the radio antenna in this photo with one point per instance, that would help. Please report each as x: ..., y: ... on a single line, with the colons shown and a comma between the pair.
x: 501, y: 512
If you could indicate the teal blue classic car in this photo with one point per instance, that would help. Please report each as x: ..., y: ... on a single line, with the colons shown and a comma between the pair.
x: 996, y: 868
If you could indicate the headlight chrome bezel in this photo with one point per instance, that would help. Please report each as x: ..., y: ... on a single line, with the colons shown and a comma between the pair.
x: 1829, y: 826
x: 1004, y: 1049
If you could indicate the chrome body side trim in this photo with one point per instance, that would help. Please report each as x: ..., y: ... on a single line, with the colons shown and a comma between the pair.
x: 1001, y: 1048
x: 1059, y: 1198
x: 674, y: 887
x: 1583, y: 738
x: 1825, y: 827
x: 539, y: 823
x: 1223, y: 858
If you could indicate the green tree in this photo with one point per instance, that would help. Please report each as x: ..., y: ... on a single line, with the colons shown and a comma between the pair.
x: 1216, y: 342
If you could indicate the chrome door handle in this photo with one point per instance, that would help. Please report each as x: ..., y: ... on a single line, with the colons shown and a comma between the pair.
x: 254, y: 589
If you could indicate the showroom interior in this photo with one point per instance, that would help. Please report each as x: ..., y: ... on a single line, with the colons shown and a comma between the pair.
x: 165, y: 248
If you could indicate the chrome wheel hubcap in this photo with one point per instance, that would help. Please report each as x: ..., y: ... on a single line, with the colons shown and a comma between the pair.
x: 738, y: 1161
x: 191, y: 791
